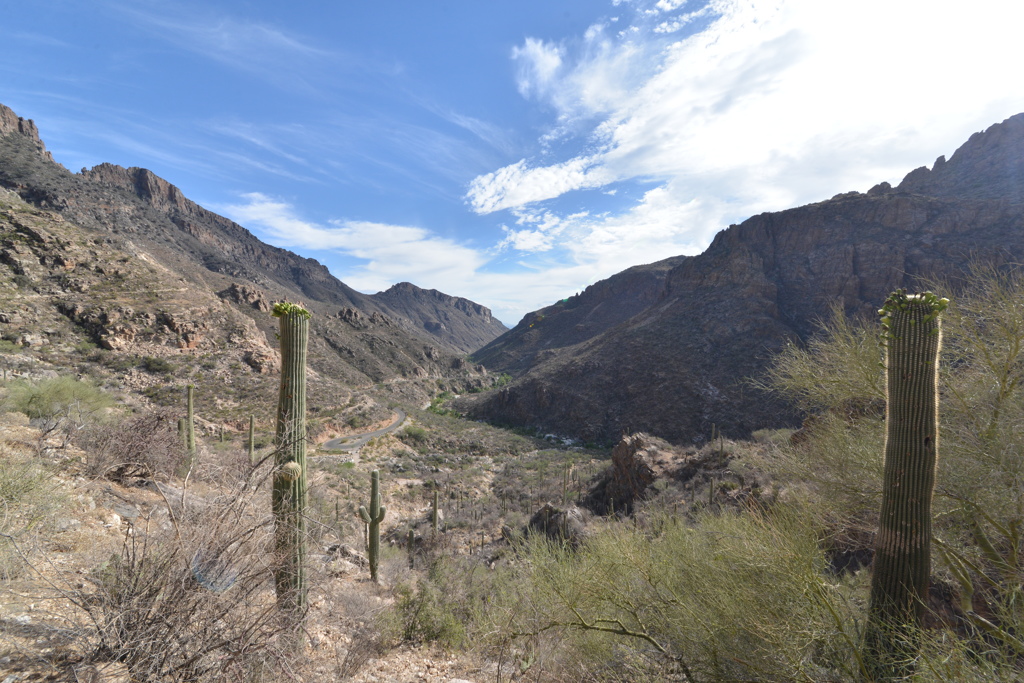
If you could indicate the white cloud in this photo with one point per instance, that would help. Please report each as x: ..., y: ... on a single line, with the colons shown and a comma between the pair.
x: 771, y: 104
x: 387, y: 254
x: 392, y: 253
x: 518, y: 185
x: 538, y: 63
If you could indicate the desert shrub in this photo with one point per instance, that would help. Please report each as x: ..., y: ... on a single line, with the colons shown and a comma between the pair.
x: 413, y: 435
x: 61, y: 406
x: 29, y: 502
x: 157, y: 365
x: 445, y: 607
x: 192, y: 600
x: 979, y: 504
x: 730, y: 598
x: 141, y: 445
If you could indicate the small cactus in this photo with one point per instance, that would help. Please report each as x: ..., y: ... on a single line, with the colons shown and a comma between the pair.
x: 372, y: 520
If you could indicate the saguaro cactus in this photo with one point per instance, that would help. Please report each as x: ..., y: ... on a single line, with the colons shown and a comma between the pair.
x: 252, y: 439
x: 372, y: 519
x: 434, y: 515
x: 190, y: 421
x: 899, y: 584
x: 288, y: 498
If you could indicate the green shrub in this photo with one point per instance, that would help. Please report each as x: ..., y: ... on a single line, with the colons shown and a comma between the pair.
x: 30, y: 500
x: 157, y: 365
x: 62, y: 405
x: 414, y: 435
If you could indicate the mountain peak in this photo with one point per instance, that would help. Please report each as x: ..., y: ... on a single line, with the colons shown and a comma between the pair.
x: 988, y: 166
x: 12, y: 123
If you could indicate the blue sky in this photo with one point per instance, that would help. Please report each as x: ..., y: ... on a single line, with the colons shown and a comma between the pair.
x: 508, y: 152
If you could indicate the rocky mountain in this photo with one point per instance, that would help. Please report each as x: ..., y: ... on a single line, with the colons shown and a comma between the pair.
x: 460, y: 323
x: 673, y: 359
x: 118, y: 260
x: 137, y: 205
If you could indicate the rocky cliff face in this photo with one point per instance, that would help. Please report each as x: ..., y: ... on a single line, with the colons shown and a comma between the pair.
x: 599, y: 307
x: 676, y: 365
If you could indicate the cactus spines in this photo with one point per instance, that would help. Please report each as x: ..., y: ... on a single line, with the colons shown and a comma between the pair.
x: 288, y: 498
x: 899, y: 583
x: 372, y: 519
x: 290, y: 471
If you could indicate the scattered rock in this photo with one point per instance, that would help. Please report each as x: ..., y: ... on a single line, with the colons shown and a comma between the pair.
x: 559, y: 524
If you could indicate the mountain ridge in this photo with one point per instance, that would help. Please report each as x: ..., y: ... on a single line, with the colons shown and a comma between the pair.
x: 677, y: 365
x: 137, y: 203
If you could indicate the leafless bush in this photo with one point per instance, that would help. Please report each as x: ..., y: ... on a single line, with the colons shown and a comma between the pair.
x: 350, y: 660
x: 145, y: 444
x: 191, y: 600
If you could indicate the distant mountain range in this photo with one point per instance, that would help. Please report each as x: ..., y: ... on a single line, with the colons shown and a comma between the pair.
x: 120, y: 258
x: 666, y: 347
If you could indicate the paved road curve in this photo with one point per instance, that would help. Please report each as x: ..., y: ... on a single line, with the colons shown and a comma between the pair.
x: 356, y: 441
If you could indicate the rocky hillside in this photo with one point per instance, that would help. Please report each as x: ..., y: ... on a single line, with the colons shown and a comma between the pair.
x: 691, y: 330
x: 460, y: 323
x: 113, y: 272
x: 208, y: 250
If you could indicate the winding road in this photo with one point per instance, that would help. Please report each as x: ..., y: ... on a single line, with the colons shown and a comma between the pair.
x: 356, y: 441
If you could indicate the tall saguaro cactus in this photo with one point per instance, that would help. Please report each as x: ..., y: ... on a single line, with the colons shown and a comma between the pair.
x: 288, y: 498
x: 899, y: 584
x: 372, y: 518
x: 190, y: 421
x: 434, y: 514
x: 252, y: 439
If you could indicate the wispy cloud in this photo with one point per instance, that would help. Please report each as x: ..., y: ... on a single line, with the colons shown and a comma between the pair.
x: 267, y: 52
x: 384, y: 254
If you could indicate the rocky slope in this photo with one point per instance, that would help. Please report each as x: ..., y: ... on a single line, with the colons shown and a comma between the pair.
x: 114, y: 272
x: 209, y: 250
x: 119, y: 259
x: 694, y: 333
x: 459, y: 323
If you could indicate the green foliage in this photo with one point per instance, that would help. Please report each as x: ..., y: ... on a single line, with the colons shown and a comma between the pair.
x: 157, y: 365
x: 437, y: 405
x: 7, y: 346
x: 61, y: 405
x: 840, y: 366
x: 732, y: 597
x: 30, y: 499
x: 980, y: 475
x: 414, y: 435
x: 284, y: 309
